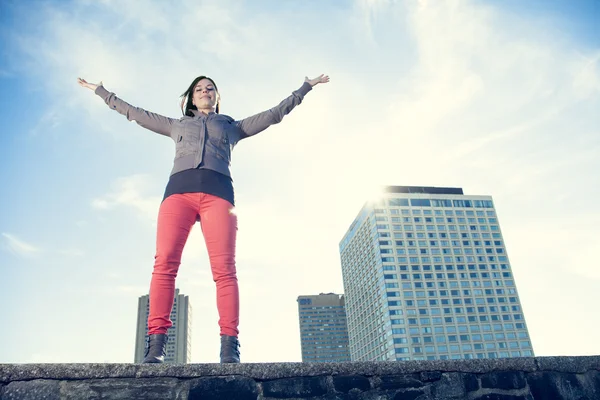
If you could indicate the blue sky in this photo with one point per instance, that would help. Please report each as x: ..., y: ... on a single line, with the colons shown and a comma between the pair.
x: 499, y: 98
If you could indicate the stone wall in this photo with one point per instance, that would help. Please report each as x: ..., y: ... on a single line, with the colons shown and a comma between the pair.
x: 506, y: 379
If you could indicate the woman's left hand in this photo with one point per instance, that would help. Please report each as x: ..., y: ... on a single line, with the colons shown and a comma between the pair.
x: 319, y: 79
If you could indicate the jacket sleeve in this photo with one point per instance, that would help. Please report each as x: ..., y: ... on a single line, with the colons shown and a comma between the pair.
x: 154, y: 122
x: 261, y: 121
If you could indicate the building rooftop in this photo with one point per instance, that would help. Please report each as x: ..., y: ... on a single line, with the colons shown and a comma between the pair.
x: 423, y: 189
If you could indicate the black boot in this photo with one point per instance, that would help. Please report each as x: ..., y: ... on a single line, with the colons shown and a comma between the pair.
x: 229, y: 349
x: 156, y: 349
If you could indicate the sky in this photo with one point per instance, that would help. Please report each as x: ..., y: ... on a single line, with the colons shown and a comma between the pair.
x: 498, y: 98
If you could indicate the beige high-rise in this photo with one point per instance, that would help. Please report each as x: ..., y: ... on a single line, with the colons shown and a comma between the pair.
x: 179, y: 346
x: 323, y: 329
x: 427, y: 277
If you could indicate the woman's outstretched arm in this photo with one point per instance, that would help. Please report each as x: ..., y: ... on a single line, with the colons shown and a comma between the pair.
x: 149, y: 120
x: 261, y: 121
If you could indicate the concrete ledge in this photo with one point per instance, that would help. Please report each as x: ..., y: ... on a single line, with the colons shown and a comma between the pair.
x: 512, y: 378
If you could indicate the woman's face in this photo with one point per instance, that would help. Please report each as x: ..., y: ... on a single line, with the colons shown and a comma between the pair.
x: 204, y: 95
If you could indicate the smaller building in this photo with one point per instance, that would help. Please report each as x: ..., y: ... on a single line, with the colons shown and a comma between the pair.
x: 179, y: 346
x: 323, y: 328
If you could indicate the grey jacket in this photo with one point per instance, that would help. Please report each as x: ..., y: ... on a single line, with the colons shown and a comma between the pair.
x: 204, y: 141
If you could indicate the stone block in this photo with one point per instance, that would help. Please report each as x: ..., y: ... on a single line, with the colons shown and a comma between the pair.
x: 32, y: 390
x: 590, y: 381
x: 499, y: 396
x: 301, y: 387
x: 430, y: 376
x: 29, y: 372
x: 354, y: 394
x: 554, y: 385
x: 346, y: 383
x: 505, y: 380
x: 398, y: 382
x: 375, y: 395
x: 410, y: 394
x: 124, y: 389
x: 450, y: 386
x: 579, y: 364
x: 220, y: 388
x: 471, y: 382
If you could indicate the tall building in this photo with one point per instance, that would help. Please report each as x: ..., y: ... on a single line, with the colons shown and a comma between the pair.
x: 179, y: 346
x: 427, y: 277
x: 323, y: 329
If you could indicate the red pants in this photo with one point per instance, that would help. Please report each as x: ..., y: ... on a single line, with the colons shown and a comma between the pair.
x: 176, y: 216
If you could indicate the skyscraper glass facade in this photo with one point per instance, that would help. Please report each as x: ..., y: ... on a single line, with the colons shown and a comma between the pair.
x: 427, y: 277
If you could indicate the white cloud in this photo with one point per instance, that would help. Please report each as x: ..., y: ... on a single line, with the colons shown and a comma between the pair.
x: 71, y: 252
x: 18, y: 246
x: 131, y: 191
x: 113, y: 275
x: 48, y: 121
x: 135, y: 290
x: 22, y: 248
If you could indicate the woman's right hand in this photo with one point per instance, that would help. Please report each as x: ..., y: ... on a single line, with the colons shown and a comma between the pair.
x: 85, y: 84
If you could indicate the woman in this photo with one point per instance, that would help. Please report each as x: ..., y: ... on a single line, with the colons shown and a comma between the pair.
x: 199, y: 189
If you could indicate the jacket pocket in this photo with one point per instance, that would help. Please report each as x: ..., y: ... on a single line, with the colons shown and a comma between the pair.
x: 221, y: 147
x: 187, y: 138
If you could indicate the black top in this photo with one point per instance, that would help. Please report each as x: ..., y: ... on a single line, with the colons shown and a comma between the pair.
x: 201, y: 180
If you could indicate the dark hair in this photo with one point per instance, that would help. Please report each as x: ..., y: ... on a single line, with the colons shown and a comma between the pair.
x: 187, y: 97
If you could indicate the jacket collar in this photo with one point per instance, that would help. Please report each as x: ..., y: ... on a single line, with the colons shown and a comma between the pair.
x: 199, y: 114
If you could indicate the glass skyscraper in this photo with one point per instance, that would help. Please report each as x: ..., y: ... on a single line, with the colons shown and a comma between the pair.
x: 323, y: 329
x: 427, y: 277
